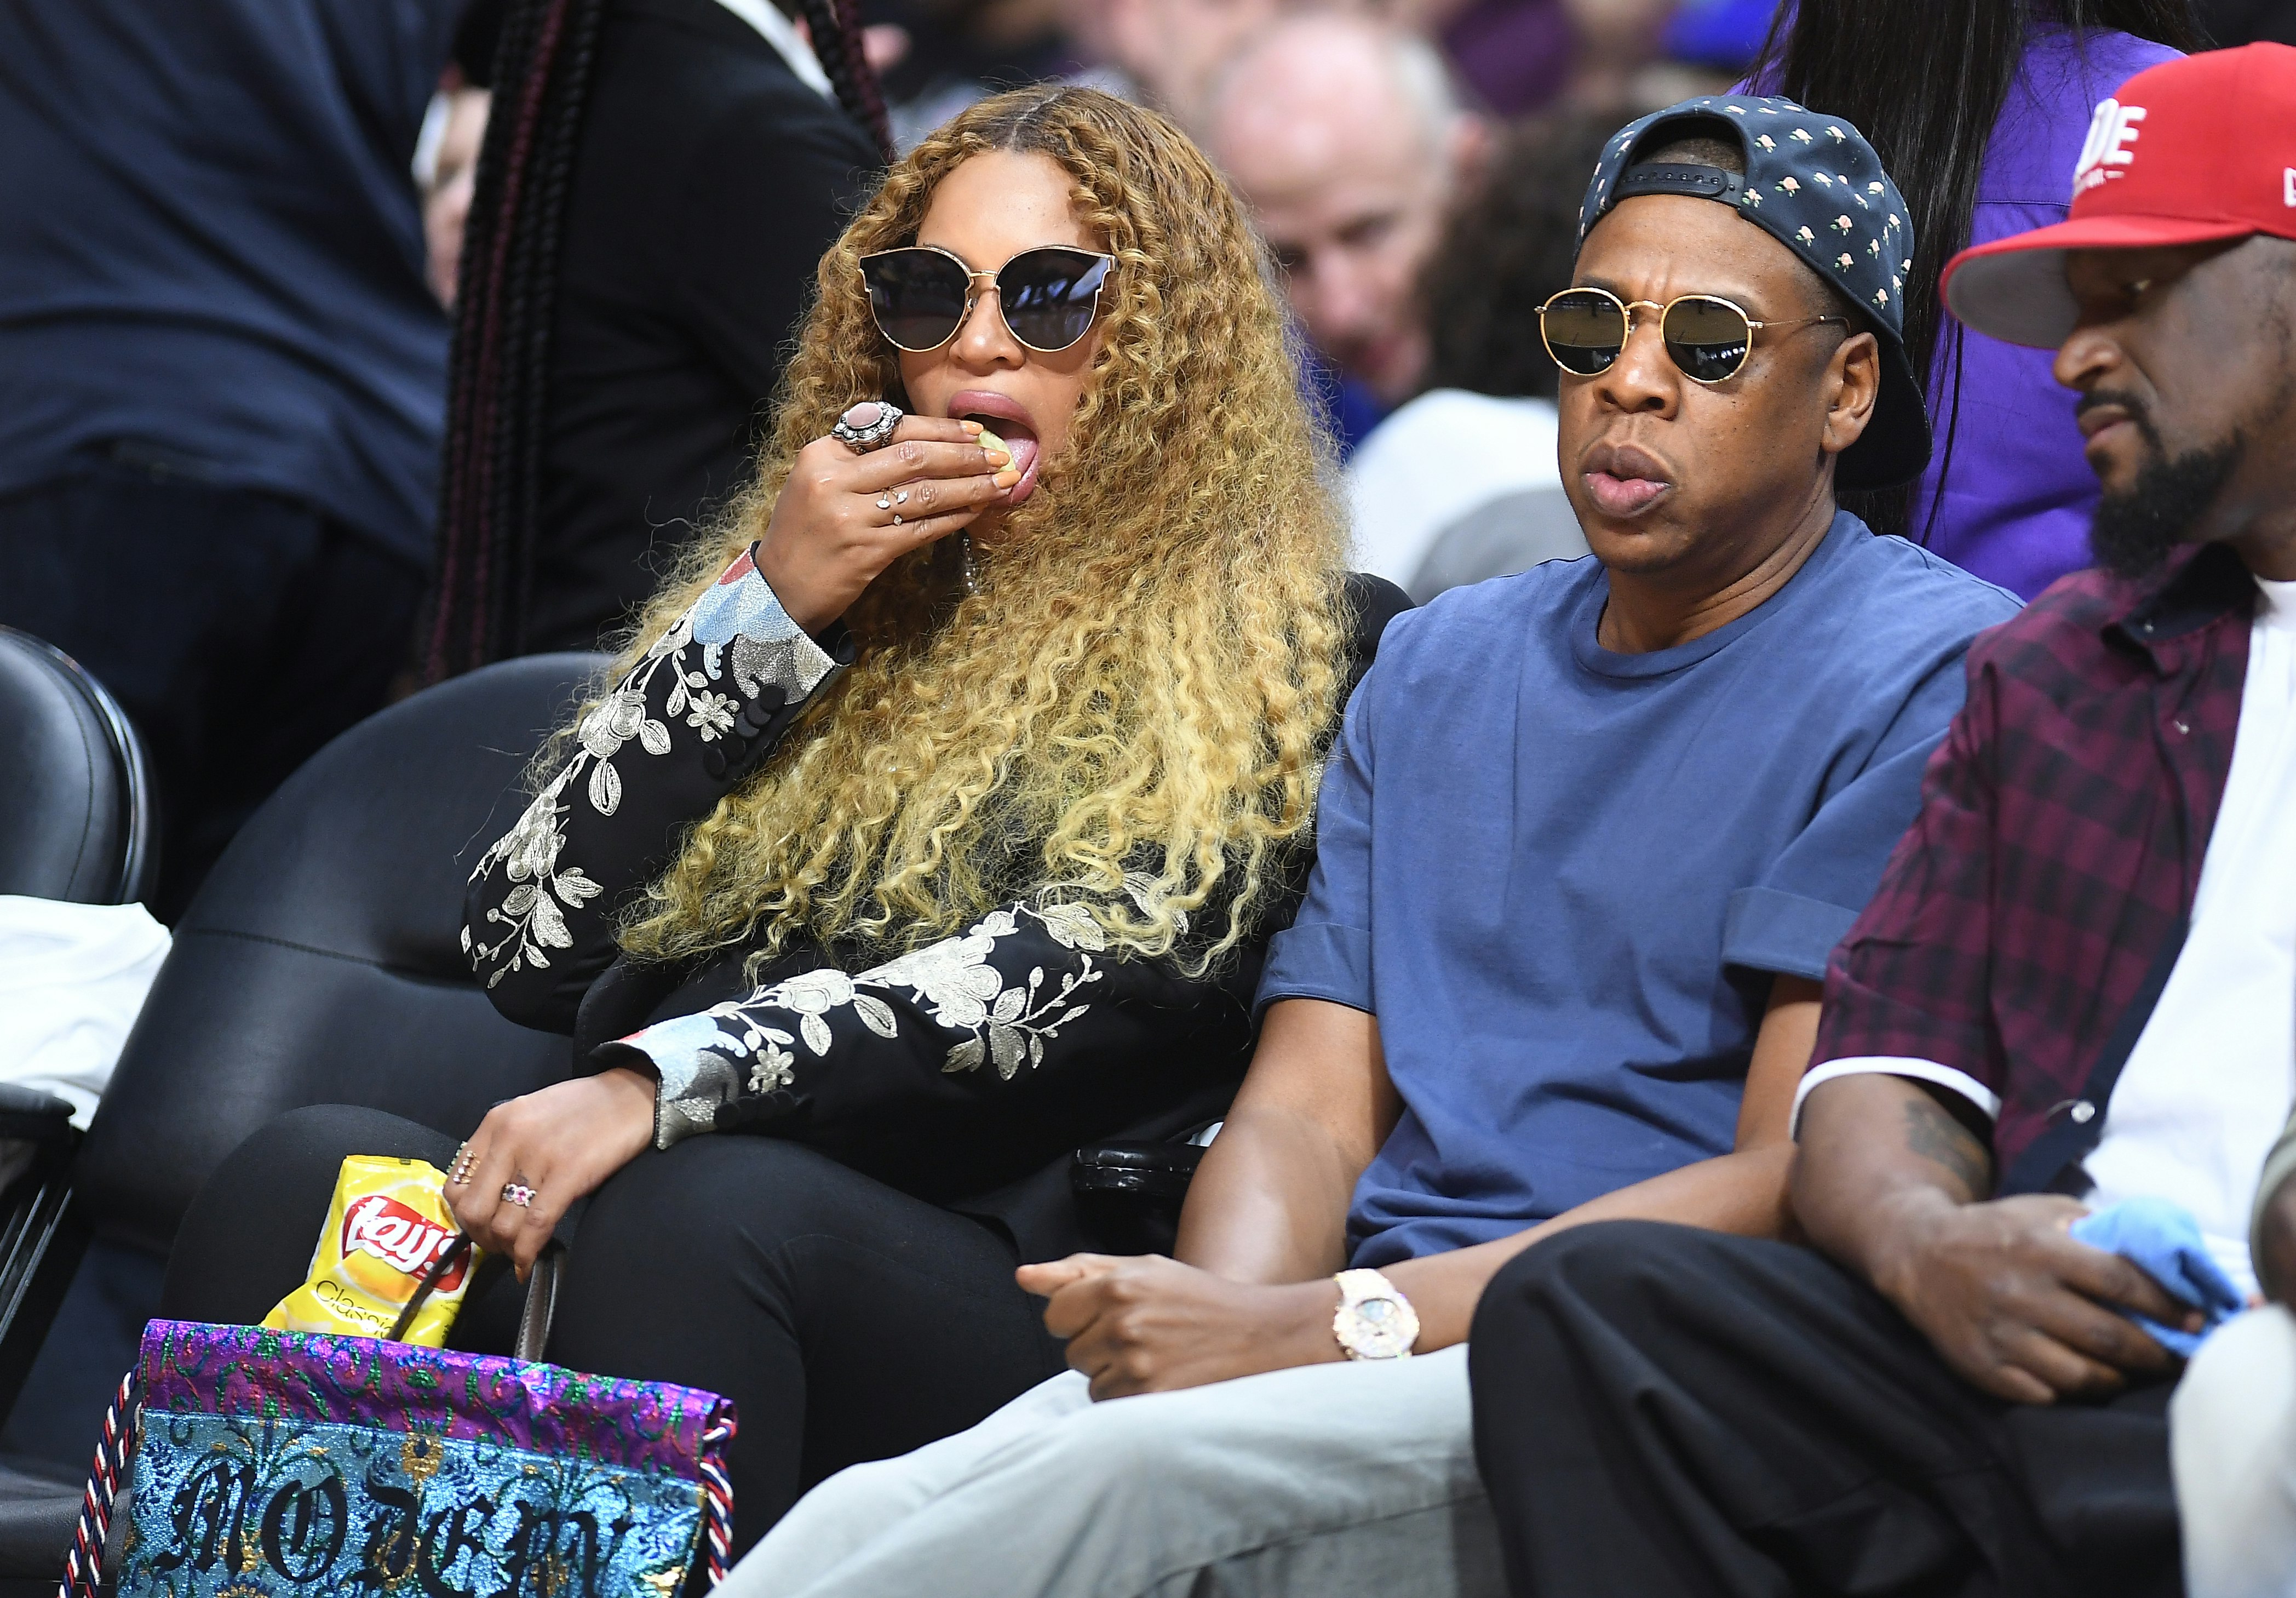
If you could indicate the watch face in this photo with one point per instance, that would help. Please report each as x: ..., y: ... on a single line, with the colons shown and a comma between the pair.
x: 1381, y: 1332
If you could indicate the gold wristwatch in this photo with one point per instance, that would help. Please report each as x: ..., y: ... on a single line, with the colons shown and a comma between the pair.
x: 1374, y: 1320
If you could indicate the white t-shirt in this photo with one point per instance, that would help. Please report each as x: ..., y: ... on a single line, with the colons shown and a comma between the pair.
x: 2207, y: 1087
x: 1434, y: 460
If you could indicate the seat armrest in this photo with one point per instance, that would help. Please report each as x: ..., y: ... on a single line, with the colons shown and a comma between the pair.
x: 31, y: 1116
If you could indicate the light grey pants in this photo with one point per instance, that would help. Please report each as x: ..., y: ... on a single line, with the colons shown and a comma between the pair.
x: 2232, y: 1445
x: 1325, y: 1481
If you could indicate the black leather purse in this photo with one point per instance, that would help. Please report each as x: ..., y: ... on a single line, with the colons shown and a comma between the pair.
x: 1131, y: 1193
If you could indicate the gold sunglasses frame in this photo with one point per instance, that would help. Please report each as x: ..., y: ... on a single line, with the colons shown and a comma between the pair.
x: 1628, y: 307
x: 973, y: 282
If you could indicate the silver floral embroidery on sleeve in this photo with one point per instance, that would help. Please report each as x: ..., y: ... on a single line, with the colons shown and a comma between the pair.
x: 735, y: 636
x: 707, y: 1060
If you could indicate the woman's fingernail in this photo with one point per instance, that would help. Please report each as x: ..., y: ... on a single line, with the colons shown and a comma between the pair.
x: 969, y: 426
x: 1007, y: 477
x: 998, y: 457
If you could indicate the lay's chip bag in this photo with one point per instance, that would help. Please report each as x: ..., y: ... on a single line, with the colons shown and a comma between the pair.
x: 387, y: 1224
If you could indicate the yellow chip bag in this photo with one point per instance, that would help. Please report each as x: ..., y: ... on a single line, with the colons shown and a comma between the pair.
x: 389, y: 1222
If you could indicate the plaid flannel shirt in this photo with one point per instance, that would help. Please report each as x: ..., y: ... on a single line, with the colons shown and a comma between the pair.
x: 2027, y: 924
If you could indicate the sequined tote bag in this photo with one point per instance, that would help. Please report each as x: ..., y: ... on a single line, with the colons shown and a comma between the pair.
x: 263, y: 1463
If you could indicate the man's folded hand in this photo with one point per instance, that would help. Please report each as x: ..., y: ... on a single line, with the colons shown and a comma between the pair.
x: 1145, y: 1323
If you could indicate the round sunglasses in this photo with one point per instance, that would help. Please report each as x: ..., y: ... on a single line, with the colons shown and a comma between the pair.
x: 922, y: 294
x: 1708, y: 338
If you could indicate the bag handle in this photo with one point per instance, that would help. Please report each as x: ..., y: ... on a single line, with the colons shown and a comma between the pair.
x: 84, y: 1560
x: 541, y: 1301
x: 541, y: 1296
x: 451, y: 1256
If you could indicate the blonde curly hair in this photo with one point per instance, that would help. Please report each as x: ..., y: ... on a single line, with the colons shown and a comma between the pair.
x: 1131, y: 714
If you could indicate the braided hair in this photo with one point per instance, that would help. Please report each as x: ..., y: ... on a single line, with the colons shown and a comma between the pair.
x: 490, y: 484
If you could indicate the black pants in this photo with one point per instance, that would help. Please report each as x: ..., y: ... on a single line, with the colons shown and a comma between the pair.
x: 1660, y: 1411
x: 240, y: 631
x: 847, y: 1321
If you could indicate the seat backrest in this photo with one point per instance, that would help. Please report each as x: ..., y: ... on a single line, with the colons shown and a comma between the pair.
x: 321, y: 964
x: 75, y: 800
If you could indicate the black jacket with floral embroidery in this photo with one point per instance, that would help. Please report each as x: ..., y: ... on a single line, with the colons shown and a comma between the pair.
x: 947, y: 1071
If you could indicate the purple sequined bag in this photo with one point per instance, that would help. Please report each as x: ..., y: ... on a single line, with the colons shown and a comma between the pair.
x: 266, y: 1462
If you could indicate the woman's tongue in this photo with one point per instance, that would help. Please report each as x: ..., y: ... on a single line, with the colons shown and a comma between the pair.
x: 1024, y: 445
x: 1622, y: 495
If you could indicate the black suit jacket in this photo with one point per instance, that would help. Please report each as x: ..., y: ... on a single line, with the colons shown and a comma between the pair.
x: 707, y: 184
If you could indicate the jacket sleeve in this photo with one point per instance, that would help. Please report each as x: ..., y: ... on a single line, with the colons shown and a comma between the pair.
x: 709, y: 701
x: 1014, y: 1007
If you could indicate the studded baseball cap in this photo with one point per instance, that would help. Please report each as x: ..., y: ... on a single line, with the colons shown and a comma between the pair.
x: 1815, y: 185
x: 2194, y: 150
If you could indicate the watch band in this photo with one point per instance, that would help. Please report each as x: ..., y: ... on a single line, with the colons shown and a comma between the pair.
x: 1374, y: 1320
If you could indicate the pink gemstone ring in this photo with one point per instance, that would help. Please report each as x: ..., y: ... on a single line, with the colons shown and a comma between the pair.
x: 518, y: 1193
x: 866, y: 426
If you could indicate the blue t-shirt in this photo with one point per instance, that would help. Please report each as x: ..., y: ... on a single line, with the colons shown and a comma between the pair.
x: 1563, y: 877
x: 212, y: 254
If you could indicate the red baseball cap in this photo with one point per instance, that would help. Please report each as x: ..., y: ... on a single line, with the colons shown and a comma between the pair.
x: 2196, y: 149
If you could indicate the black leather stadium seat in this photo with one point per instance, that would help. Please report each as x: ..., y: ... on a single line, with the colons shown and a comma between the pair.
x: 319, y: 964
x: 321, y: 961
x: 76, y: 824
x: 75, y: 801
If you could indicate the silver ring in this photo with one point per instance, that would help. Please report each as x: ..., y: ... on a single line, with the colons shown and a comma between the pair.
x: 896, y: 519
x: 862, y: 437
x: 518, y: 1193
x: 884, y: 501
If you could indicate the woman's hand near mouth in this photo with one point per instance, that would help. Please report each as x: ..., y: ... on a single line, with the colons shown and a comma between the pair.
x: 829, y: 538
x: 1007, y: 421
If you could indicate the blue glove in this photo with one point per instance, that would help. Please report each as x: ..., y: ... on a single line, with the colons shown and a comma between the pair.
x: 2164, y: 1240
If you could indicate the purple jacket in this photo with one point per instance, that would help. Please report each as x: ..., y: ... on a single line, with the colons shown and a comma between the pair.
x: 2018, y: 496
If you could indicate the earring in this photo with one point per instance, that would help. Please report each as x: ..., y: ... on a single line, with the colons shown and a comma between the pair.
x: 971, y: 570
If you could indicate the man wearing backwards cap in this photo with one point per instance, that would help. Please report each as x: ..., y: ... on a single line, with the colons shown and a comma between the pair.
x: 1585, y: 840
x: 2076, y: 990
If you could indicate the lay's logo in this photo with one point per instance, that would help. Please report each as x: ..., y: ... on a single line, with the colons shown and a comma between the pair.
x: 2111, y: 133
x: 384, y: 1229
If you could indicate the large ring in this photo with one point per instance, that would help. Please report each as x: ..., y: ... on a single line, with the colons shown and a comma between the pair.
x: 866, y: 426
x: 518, y: 1193
x: 459, y: 1167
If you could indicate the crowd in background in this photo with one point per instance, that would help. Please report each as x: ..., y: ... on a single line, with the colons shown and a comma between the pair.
x: 242, y: 479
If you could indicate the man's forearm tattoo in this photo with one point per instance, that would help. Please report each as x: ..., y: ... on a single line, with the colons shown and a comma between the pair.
x: 1942, y: 1141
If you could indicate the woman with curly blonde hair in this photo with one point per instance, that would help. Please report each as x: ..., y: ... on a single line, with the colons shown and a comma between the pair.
x: 937, y: 815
